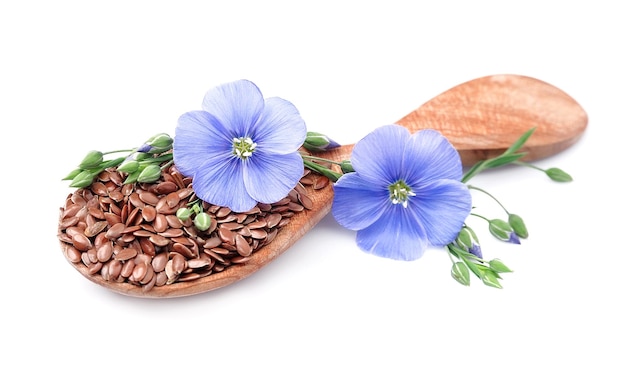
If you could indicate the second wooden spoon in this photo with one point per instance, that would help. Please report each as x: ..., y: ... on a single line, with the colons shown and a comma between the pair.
x: 481, y: 118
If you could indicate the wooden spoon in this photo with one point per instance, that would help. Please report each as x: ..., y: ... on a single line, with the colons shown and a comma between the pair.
x: 481, y: 118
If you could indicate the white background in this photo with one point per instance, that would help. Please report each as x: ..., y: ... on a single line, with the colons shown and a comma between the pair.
x: 76, y: 76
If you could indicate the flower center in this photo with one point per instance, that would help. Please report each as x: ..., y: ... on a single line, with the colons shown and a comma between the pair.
x: 399, y: 193
x: 243, y: 147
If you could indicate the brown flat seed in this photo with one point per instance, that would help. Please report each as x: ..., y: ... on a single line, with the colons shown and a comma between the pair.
x: 222, y: 212
x: 159, y: 240
x: 159, y: 262
x: 306, y: 201
x: 239, y: 259
x: 126, y: 254
x: 98, y: 188
x: 182, y: 249
x: 112, y: 219
x: 149, y: 275
x: 72, y: 254
x: 140, y: 271
x: 69, y: 222
x: 115, y: 269
x: 147, y: 247
x: 95, y: 228
x: 243, y: 247
x: 93, y: 268
x: 172, y: 199
x: 258, y: 234
x: 172, y: 232
x: 319, y: 182
x: 71, y: 210
x: 142, y: 233
x: 148, y: 213
x: 232, y: 226
x: 81, y: 242
x: 96, y: 212
x: 173, y: 221
x: 179, y: 263
x: 115, y: 231
x: 116, y: 195
x: 198, y: 263
x: 104, y: 252
x: 166, y: 187
x: 226, y: 235
x: 273, y: 220
x: 148, y: 198
x: 212, y: 242
x: 295, y: 207
x: 161, y: 279
x: 127, y: 269
x: 160, y: 223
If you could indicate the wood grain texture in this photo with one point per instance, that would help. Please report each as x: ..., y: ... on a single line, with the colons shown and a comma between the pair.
x: 481, y: 118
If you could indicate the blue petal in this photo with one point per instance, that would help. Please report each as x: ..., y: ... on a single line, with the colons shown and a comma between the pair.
x: 378, y: 156
x: 357, y: 203
x: 199, y: 136
x: 396, y: 235
x: 441, y: 207
x: 220, y: 181
x: 269, y: 177
x: 280, y: 129
x: 429, y: 155
x: 237, y: 105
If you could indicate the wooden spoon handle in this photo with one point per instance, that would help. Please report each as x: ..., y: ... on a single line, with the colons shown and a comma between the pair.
x: 484, y: 116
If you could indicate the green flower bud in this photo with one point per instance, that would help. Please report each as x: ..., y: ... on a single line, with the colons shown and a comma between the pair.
x: 202, y: 221
x: 183, y: 214
x: 157, y: 144
x: 490, y: 278
x: 460, y: 273
x: 71, y: 175
x: 128, y: 166
x: 83, y: 179
x: 558, y: 175
x: 499, y: 267
x: 91, y: 160
x: 346, y: 166
x: 517, y: 223
x: 464, y: 239
x: 317, y: 142
x: 503, y: 231
x: 150, y: 173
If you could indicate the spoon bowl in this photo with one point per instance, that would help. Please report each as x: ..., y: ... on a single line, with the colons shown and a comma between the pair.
x: 481, y: 118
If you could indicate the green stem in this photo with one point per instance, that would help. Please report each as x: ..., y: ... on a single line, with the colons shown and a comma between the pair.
x: 119, y: 151
x: 312, y: 158
x: 488, y: 194
x: 526, y: 164
x: 480, y: 216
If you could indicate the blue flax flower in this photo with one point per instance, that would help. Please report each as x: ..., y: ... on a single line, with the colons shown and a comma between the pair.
x: 405, y: 193
x: 240, y: 149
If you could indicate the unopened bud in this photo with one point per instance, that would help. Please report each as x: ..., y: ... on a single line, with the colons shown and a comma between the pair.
x: 316, y: 142
x: 518, y: 225
x: 346, y: 166
x: 83, y: 179
x: 503, y: 231
x: 128, y: 166
x: 183, y: 214
x: 202, y: 221
x: 150, y: 173
x: 91, y: 160
x: 558, y: 175
x: 157, y: 144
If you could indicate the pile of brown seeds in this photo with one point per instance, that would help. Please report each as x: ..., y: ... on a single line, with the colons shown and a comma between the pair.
x: 130, y: 232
